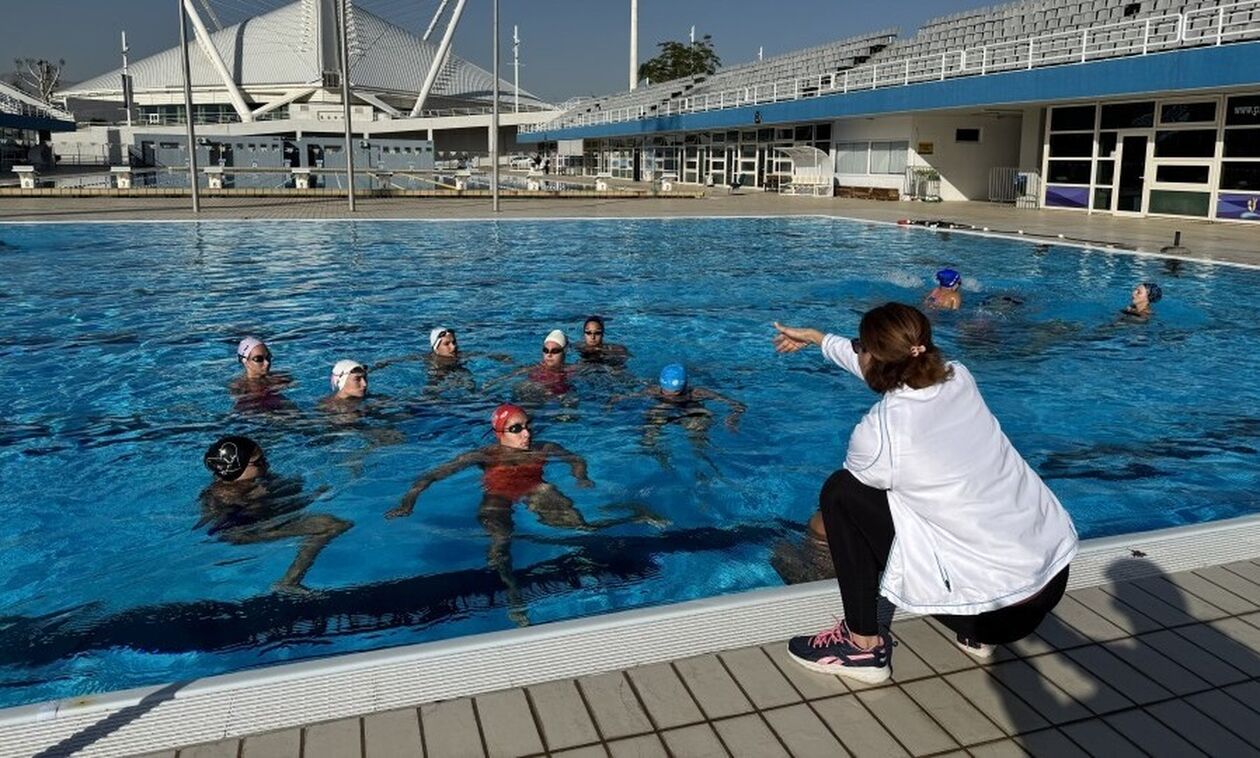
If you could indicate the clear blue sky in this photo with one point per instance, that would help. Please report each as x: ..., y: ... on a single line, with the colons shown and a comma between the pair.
x: 569, y: 47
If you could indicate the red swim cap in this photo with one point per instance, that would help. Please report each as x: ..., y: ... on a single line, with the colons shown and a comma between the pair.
x: 498, y: 419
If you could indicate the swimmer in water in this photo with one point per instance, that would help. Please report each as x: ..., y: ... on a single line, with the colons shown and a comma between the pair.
x: 947, y: 295
x: 595, y: 350
x: 512, y: 472
x: 247, y: 504
x: 1144, y: 296
x: 446, y: 363
x: 678, y: 402
x: 257, y: 388
x: 349, y: 383
x: 549, y: 378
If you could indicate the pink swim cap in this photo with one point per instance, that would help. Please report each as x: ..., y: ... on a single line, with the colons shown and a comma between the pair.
x: 498, y: 419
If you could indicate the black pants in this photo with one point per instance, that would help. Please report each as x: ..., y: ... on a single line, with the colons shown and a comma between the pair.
x: 860, y: 534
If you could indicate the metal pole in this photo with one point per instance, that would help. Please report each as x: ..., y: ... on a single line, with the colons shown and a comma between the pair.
x: 634, y: 44
x: 188, y: 109
x: 126, y: 73
x: 494, y: 116
x: 345, y: 101
x: 516, y: 69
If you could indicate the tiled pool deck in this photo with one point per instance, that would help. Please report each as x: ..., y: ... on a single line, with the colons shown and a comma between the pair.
x: 1166, y: 665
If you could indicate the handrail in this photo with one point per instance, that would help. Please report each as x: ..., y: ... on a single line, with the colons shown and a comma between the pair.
x: 1138, y: 36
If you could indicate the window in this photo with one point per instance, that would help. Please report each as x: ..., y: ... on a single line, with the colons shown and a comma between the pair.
x: 968, y: 135
x: 171, y: 145
x: 1128, y: 116
x: 1185, y: 143
x: 822, y: 132
x: 1071, y: 145
x: 1243, y: 111
x: 1107, y: 144
x: 851, y: 157
x: 1187, y: 113
x: 889, y: 157
x: 1175, y: 174
x: 1240, y: 176
x: 1077, y: 118
x: 1132, y: 9
x: 804, y: 134
x: 1180, y: 203
x: 1069, y: 172
x: 1242, y: 143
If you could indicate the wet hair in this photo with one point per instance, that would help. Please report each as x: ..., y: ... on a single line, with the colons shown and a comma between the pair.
x: 888, y: 333
x: 594, y: 320
x: 228, y: 457
x: 1153, y: 292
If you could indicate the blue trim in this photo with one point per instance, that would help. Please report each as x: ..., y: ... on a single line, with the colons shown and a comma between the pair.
x: 1230, y: 65
x: 35, y: 123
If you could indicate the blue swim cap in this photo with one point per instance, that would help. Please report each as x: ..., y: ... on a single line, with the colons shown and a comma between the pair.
x: 673, y: 378
x: 1153, y: 292
x: 947, y: 277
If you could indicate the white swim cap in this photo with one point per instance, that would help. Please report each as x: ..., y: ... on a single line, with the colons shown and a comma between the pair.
x: 247, y: 344
x: 557, y: 337
x: 436, y: 335
x: 341, y: 372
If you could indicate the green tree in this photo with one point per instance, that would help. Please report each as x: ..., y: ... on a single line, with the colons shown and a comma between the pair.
x: 679, y: 59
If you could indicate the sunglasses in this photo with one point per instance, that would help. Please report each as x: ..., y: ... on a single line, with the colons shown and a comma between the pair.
x: 594, y: 333
x: 516, y: 428
x: 260, y: 359
x: 553, y: 350
x: 857, y: 346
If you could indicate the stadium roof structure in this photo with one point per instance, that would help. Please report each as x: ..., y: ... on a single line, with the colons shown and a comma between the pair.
x: 291, y: 49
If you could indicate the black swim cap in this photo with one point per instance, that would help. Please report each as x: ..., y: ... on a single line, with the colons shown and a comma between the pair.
x: 228, y: 457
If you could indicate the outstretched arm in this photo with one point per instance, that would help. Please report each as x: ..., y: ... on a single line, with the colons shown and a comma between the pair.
x: 791, y: 338
x: 391, y: 361
x: 505, y: 378
x: 645, y: 392
x: 404, y: 508
x: 577, y: 464
x: 736, y: 408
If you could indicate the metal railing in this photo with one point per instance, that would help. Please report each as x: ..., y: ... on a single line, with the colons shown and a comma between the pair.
x: 1137, y: 36
x: 17, y: 103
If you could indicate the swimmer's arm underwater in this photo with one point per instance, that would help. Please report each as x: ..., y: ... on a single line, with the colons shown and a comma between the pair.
x: 577, y: 464
x: 467, y: 460
x: 736, y: 408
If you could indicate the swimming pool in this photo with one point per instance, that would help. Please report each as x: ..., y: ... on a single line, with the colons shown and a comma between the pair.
x: 118, y: 344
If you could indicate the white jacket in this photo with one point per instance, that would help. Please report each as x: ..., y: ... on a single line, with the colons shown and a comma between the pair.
x: 976, y: 527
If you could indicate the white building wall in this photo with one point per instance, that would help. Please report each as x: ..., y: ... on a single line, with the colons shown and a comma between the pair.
x: 964, y: 166
x: 1031, y: 130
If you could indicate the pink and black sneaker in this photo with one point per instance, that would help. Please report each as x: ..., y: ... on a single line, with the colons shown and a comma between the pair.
x: 834, y: 652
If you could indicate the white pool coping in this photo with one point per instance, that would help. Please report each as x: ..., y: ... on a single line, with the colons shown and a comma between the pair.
x: 290, y: 695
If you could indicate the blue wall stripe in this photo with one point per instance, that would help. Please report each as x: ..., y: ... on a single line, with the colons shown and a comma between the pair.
x: 1230, y: 65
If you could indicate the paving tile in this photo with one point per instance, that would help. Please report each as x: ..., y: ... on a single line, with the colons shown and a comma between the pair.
x: 561, y: 715
x: 1249, y: 570
x: 805, y: 735
x: 712, y: 687
x: 987, y: 694
x: 1030, y: 646
x: 220, y: 749
x: 449, y: 728
x: 1087, y: 622
x: 1051, y: 702
x: 1150, y: 735
x: 162, y: 754
x: 1142, y: 657
x: 1122, y: 677
x: 810, y: 684
x: 1049, y: 743
x: 860, y: 734
x: 643, y: 746
x: 508, y: 725
x: 1240, y: 586
x: 1189, y: 655
x: 1111, y: 608
x: 1227, y: 601
x: 1252, y: 618
x: 1190, y: 603
x: 1059, y: 634
x: 590, y: 751
x: 936, y: 651
x: 907, y: 722
x: 699, y: 741
x: 1148, y: 605
x: 392, y: 734
x: 760, y: 678
x: 964, y: 722
x: 282, y: 744
x: 1232, y: 640
x: 1205, y: 733
x: 1077, y: 681
x: 1247, y: 693
x: 907, y: 666
x: 1003, y: 749
x: 749, y: 737
x: 662, y: 692
x: 616, y: 709
x: 1230, y: 713
x: 333, y: 739
x: 1100, y: 739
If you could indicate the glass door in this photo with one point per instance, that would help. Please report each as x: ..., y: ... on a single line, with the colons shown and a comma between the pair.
x: 1131, y: 189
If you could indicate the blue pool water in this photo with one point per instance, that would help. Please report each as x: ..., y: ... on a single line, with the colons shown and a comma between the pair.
x: 118, y: 340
